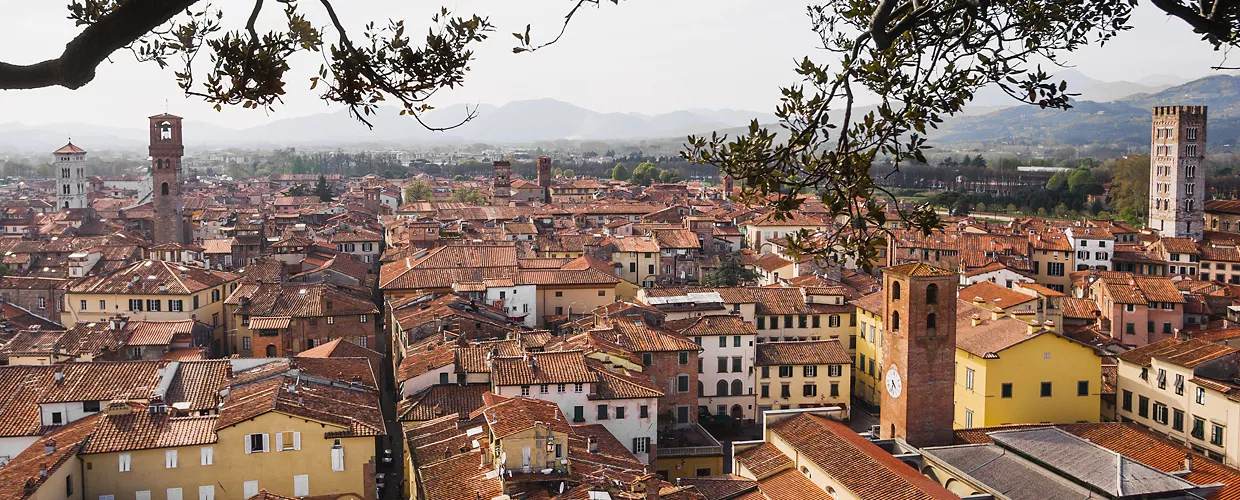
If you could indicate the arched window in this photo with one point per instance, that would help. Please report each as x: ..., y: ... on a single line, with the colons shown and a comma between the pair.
x: 163, y: 189
x: 932, y: 294
x: 271, y: 350
x: 931, y: 321
x: 895, y: 290
x: 721, y: 388
x: 895, y: 321
x: 701, y: 389
x: 737, y: 388
x: 165, y: 131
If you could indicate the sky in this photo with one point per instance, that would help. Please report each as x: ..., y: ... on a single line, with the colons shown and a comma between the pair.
x: 648, y: 56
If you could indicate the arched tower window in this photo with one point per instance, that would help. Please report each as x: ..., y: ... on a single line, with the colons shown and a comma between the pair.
x: 895, y: 321
x: 932, y: 294
x: 165, y: 131
x: 931, y: 321
x: 163, y: 189
x: 895, y: 290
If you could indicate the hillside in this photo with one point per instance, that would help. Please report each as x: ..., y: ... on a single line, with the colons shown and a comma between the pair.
x: 1123, y: 122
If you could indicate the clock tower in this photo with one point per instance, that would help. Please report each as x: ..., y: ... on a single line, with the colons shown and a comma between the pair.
x: 919, y: 349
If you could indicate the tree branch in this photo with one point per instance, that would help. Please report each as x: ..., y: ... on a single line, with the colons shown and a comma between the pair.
x: 76, y: 65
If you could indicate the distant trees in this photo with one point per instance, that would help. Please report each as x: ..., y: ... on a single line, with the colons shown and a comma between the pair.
x: 1130, y: 187
x: 730, y: 272
x: 323, y: 190
x: 297, y: 190
x: 418, y: 190
x: 569, y: 173
x: 620, y: 172
x: 467, y: 195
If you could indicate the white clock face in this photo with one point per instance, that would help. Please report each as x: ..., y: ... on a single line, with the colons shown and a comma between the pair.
x: 894, y: 385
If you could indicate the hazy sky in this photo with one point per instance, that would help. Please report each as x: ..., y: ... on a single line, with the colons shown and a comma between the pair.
x: 647, y: 56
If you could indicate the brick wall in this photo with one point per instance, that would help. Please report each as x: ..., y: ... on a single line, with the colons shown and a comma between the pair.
x: 665, y: 367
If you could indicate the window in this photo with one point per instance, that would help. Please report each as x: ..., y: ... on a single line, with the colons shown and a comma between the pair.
x: 525, y: 390
x: 762, y: 322
x: 682, y: 383
x: 788, y: 321
x: 932, y: 294
x: 288, y: 441
x: 170, y: 459
x: 643, y: 411
x: 256, y: 443
x: 1046, y: 389
x: 895, y: 290
x: 785, y: 372
x: 766, y: 372
x: 579, y: 414
x: 176, y: 305
x: 174, y: 494
x: 736, y: 364
x: 206, y: 492
x: 682, y: 358
x: 69, y: 485
x: 1143, y: 406
x: 1177, y: 420
x: 134, y: 304
x: 1199, y: 428
x: 1201, y: 396
x: 736, y: 341
x: 206, y: 455
x: 543, y: 389
x: 602, y: 412
x: 968, y: 418
x: 931, y: 321
x: 619, y: 413
x: 124, y: 460
x: 835, y: 389
x: 83, y: 305
x: 1005, y: 390
x: 833, y: 321
x: 559, y: 294
x: 647, y: 359
x: 103, y: 305
x: 57, y: 418
x: 1216, y: 435
x: 723, y: 341
x: 245, y: 343
x: 802, y: 321
x: 810, y: 371
x: 559, y: 388
x: 809, y: 390
x: 331, y: 320
x: 1127, y: 400
x: 641, y: 444
x: 765, y: 391
x: 153, y: 305
x: 895, y: 321
x: 90, y: 406
x: 1082, y: 388
x: 968, y: 380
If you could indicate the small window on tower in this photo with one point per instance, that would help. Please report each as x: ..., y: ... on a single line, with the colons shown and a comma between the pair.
x: 165, y: 131
x: 163, y: 189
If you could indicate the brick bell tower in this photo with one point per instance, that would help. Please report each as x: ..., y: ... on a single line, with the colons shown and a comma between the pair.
x: 919, y: 319
x: 1177, y: 189
x: 166, y: 151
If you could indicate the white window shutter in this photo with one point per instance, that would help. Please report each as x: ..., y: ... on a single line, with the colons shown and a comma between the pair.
x: 206, y: 492
x: 337, y: 459
x: 208, y: 455
x: 279, y: 441
x: 174, y: 493
x: 266, y: 442
x: 296, y: 440
x: 248, y: 444
x: 142, y: 495
x: 249, y: 488
x: 301, y: 486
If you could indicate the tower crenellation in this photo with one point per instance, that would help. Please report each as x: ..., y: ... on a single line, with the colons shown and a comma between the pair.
x: 1177, y: 156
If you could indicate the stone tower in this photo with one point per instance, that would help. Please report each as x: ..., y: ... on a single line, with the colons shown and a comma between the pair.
x: 544, y: 177
x: 501, y: 191
x: 70, y: 177
x: 1177, y: 188
x: 919, y: 349
x: 166, y: 151
x: 728, y: 186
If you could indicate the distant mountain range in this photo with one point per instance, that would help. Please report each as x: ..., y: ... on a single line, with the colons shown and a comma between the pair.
x: 1089, y: 89
x: 515, y: 122
x: 1123, y: 122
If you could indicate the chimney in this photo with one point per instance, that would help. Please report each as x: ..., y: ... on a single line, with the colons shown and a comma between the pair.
x: 1033, y: 327
x: 652, y: 487
x: 118, y: 408
x: 59, y: 375
x: 591, y: 444
x: 43, y: 470
x: 1188, y: 462
x: 1049, y: 325
x: 996, y: 314
x: 49, y: 446
x: 976, y: 319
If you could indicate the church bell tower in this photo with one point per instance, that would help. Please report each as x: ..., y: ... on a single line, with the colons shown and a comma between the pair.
x: 166, y: 151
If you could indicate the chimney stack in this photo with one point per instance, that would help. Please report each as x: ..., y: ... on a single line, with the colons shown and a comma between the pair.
x: 976, y: 319
x: 49, y: 446
x: 1049, y: 325
x: 996, y: 314
x: 592, y: 444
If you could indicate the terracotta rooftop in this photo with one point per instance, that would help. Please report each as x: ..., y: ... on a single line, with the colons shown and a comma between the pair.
x: 809, y: 352
x: 1186, y: 353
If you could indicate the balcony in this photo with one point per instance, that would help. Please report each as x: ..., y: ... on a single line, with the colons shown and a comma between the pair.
x: 688, y: 440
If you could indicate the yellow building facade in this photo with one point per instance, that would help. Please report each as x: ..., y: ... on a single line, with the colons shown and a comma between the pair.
x: 1045, y: 378
x: 803, y: 375
x: 868, y: 363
